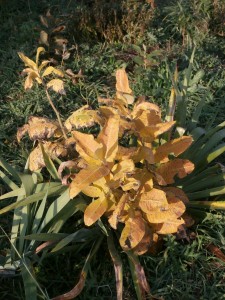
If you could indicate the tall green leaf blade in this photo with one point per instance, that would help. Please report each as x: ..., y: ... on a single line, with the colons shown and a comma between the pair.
x: 33, y: 198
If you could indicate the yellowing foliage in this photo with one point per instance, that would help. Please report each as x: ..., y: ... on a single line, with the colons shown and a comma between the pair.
x: 125, y: 184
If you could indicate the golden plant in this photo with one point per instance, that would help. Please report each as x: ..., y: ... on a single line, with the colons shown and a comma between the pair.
x: 130, y: 185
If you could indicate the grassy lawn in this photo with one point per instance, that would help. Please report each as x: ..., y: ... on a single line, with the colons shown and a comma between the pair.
x: 182, y: 267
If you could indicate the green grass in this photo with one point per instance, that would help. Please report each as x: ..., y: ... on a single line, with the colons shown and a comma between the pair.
x: 183, y: 269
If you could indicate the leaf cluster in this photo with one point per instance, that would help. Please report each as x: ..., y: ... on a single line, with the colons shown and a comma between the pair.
x: 127, y: 185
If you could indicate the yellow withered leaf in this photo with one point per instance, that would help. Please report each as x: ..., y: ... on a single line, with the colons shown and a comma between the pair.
x: 29, y: 80
x: 53, y: 70
x: 124, y: 167
x: 82, y: 117
x: 130, y: 184
x: 144, y: 153
x: 27, y: 61
x: 153, y: 200
x: 150, y: 133
x: 39, y: 51
x: 168, y: 227
x: 109, y: 137
x: 149, y: 108
x: 44, y: 38
x: 39, y: 128
x: 175, y: 147
x: 147, y: 118
x: 115, y: 217
x: 132, y: 233
x: 126, y: 153
x: 85, y: 177
x: 179, y: 167
x: 95, y: 210
x: 125, y: 98
x: 57, y: 85
x: 175, y: 210
x: 122, y: 83
x: 92, y: 191
x: 89, y: 148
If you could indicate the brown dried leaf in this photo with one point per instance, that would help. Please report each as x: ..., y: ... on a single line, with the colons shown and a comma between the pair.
x: 172, y: 192
x: 144, y: 244
x: 179, y: 167
x: 36, y: 160
x: 175, y: 147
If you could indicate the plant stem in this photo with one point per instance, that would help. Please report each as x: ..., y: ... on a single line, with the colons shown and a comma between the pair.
x: 56, y: 112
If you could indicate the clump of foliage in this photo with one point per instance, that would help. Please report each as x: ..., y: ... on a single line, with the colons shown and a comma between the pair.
x: 124, y: 171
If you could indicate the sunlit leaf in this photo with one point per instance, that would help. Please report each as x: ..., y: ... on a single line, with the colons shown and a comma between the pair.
x: 57, y: 85
x: 109, y: 137
x: 85, y: 177
x: 179, y: 167
x: 89, y: 149
x: 82, y: 117
x: 175, y: 147
x: 169, y: 226
x: 150, y: 133
x: 39, y: 51
x: 27, y: 61
x: 175, y: 210
x: 153, y: 200
x: 132, y: 233
x: 115, y: 217
x: 51, y: 70
x: 122, y: 83
x: 95, y: 210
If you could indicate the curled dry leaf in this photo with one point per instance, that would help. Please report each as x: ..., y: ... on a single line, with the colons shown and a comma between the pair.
x: 179, y: 167
x: 39, y: 128
x: 36, y: 160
